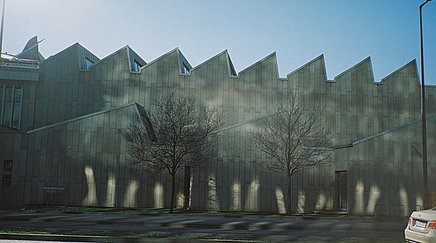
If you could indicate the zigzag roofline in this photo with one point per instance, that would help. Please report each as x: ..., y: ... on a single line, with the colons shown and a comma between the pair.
x: 230, y: 67
x: 59, y: 53
x: 124, y: 48
x: 258, y: 62
x: 368, y: 59
x: 412, y: 62
x: 355, y: 66
x: 310, y: 63
x: 208, y: 60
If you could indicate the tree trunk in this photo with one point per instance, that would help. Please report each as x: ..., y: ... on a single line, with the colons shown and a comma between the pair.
x: 289, y: 201
x: 187, y: 186
x: 173, y: 192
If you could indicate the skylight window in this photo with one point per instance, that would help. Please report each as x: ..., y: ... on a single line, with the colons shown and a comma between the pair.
x: 88, y: 63
x: 185, y: 69
x: 232, y: 68
x: 136, y: 66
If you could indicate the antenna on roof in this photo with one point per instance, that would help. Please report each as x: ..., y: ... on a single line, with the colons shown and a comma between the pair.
x: 2, y: 27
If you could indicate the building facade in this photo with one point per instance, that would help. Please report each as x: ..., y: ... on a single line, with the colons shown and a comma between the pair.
x: 62, y: 121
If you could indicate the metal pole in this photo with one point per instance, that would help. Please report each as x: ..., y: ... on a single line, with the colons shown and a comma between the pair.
x: 423, y: 113
x: 2, y: 26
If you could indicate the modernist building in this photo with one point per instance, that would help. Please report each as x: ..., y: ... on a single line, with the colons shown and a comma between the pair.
x: 62, y: 121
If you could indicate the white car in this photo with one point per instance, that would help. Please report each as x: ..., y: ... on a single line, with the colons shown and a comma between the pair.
x: 421, y: 226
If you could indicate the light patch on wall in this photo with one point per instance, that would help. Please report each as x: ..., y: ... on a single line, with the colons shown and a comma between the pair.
x: 301, y: 201
x: 180, y: 199
x: 110, y: 100
x: 107, y: 99
x: 213, y: 197
x: 374, y: 194
x: 419, y: 202
x: 130, y: 196
x: 87, y: 140
x: 330, y: 204
x: 320, y: 202
x: 91, y: 197
x: 249, y: 127
x: 158, y: 195
x: 218, y: 101
x: 191, y: 181
x: 404, y: 201
x: 359, y: 198
x: 236, y: 196
x: 110, y: 192
x: 252, y: 202
x: 280, y: 199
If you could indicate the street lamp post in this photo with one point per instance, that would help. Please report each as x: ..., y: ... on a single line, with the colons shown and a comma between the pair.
x: 423, y: 113
x: 2, y: 26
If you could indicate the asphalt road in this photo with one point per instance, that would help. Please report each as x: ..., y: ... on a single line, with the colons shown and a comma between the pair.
x: 99, y: 227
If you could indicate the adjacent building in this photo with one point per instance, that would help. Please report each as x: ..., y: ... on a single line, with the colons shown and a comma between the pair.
x: 62, y: 121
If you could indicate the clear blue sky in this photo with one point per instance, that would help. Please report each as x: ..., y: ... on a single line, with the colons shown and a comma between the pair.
x: 345, y: 31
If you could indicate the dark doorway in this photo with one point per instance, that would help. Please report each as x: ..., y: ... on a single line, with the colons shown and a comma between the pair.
x: 341, y: 190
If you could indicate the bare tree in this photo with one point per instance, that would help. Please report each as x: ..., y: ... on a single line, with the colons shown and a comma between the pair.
x: 293, y: 139
x: 179, y: 136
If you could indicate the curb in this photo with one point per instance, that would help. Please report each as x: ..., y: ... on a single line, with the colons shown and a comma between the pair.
x: 53, y: 237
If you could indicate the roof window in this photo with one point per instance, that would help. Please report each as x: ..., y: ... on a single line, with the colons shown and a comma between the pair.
x: 88, y: 63
x: 136, y: 66
x: 232, y: 68
x: 185, y: 69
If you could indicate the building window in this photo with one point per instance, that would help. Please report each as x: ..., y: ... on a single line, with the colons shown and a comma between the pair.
x: 136, y: 66
x: 232, y: 68
x: 7, y: 180
x: 185, y: 69
x: 11, y: 106
x: 7, y: 112
x: 7, y: 165
x: 88, y: 63
x: 16, y: 113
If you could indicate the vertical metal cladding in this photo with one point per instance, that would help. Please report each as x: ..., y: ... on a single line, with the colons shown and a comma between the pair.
x: 77, y: 145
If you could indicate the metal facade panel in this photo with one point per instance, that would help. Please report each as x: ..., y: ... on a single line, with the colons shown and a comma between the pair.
x: 356, y: 108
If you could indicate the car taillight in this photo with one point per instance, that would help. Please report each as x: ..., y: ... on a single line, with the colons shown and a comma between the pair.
x: 410, y: 221
x: 431, y: 225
